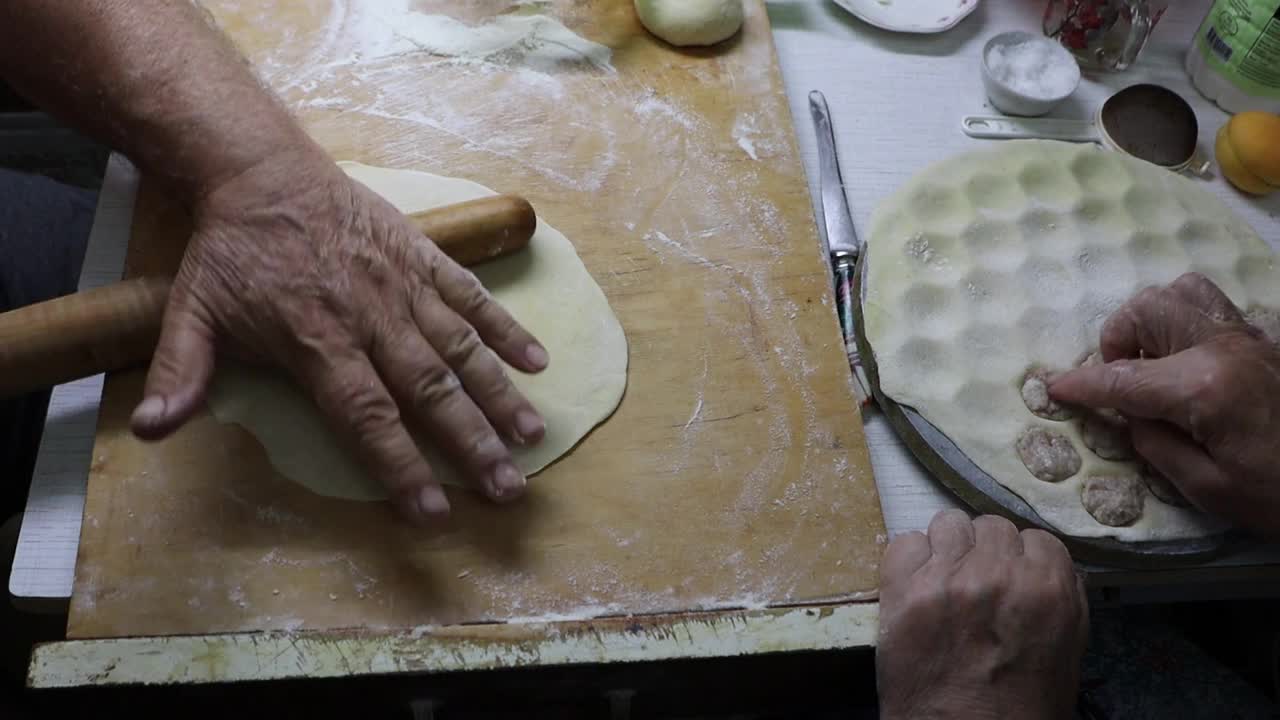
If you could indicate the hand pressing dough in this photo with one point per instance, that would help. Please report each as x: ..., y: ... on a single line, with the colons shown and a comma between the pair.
x: 691, y: 22
x: 546, y: 287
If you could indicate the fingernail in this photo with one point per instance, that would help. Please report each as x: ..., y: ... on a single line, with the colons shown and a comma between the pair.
x: 529, y: 426
x: 432, y: 502
x: 507, y: 481
x: 150, y: 411
x: 536, y: 355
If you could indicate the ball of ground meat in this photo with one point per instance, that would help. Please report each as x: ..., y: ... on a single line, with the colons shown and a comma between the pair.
x: 1113, y: 500
x: 1035, y: 393
x: 1048, y: 455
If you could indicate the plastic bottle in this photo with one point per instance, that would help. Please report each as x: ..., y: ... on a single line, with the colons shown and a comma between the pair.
x: 1234, y: 58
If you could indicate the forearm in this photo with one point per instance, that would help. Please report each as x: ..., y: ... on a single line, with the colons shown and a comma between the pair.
x: 153, y: 79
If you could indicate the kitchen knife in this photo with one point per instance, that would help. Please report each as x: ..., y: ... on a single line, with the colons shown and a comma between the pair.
x: 842, y: 239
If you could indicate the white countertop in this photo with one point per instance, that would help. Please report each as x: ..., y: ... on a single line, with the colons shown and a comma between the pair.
x: 896, y: 103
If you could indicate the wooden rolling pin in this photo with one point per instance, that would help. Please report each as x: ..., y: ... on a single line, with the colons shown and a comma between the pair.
x: 117, y: 326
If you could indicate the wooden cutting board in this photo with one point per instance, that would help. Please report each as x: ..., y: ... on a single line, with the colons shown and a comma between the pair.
x: 734, y: 474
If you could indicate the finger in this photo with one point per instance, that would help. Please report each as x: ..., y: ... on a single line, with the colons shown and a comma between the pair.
x: 1044, y: 550
x: 181, y: 368
x: 462, y: 291
x: 1138, y: 388
x: 995, y: 538
x: 441, y: 409
x: 1120, y: 337
x: 357, y: 405
x: 1174, y: 454
x: 482, y: 376
x: 905, y: 555
x: 951, y: 534
x: 1200, y: 291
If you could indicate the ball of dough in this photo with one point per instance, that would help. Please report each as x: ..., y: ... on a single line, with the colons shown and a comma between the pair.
x: 1113, y: 500
x: 691, y: 22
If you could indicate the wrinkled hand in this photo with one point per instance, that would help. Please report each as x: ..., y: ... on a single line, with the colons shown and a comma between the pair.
x: 979, y: 621
x: 1201, y: 389
x: 293, y: 263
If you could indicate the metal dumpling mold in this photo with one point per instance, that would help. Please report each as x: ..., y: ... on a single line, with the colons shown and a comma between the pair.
x: 995, y: 264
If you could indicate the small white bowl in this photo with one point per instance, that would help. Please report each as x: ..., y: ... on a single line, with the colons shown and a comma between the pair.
x: 1010, y: 100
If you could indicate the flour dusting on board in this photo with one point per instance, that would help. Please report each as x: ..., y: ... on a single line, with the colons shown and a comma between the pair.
x: 389, y: 28
x: 685, y: 188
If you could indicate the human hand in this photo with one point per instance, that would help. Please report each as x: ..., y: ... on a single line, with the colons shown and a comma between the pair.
x: 978, y: 620
x: 1201, y: 390
x: 293, y: 263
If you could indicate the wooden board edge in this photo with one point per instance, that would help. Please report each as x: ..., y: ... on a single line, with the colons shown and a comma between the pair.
x: 246, y: 657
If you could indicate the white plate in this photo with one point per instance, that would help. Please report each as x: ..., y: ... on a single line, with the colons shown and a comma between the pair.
x: 913, y: 16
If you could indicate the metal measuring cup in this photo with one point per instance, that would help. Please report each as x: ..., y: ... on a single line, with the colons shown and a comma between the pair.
x: 1149, y: 122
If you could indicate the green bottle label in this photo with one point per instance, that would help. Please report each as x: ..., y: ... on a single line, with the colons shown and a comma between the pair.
x: 1240, y: 40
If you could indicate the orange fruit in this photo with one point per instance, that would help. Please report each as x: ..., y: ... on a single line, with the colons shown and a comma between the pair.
x: 1233, y: 168
x: 1255, y: 137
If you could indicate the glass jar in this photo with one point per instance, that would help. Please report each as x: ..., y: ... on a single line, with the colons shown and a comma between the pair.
x: 1103, y: 34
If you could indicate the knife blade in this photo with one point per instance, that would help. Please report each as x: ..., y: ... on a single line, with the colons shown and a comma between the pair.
x: 842, y: 237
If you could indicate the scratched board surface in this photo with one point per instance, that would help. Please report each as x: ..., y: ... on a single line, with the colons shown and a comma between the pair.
x: 734, y: 473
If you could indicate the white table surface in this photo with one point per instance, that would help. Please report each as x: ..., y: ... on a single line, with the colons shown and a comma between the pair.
x: 896, y: 103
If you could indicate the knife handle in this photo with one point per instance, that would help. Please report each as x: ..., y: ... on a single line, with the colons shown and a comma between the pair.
x: 844, y: 267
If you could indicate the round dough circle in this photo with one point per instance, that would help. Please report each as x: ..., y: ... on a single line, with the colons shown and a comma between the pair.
x: 546, y: 288
x: 1073, y: 250
x: 691, y: 22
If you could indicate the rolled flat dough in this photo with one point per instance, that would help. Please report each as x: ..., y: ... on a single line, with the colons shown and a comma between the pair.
x: 997, y: 262
x: 546, y: 287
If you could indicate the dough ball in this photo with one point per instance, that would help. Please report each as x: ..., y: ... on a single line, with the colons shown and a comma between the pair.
x: 1113, y: 500
x: 1266, y: 321
x: 1160, y: 486
x: 1049, y: 456
x: 691, y: 22
x: 1035, y: 393
x: 1106, y: 433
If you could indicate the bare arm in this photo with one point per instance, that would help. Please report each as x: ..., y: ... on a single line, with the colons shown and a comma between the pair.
x: 154, y: 79
x: 290, y: 261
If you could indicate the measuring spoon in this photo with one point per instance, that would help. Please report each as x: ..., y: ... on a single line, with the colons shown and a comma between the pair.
x: 1149, y: 122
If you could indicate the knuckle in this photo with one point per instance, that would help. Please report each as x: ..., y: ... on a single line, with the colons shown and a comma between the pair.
x: 1192, y: 281
x: 977, y: 590
x: 365, y: 407
x: 472, y: 297
x: 434, y: 384
x: 925, y: 600
x: 994, y: 522
x: 482, y: 446
x: 461, y: 345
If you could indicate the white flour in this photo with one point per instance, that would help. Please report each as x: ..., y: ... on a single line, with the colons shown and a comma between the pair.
x: 692, y: 196
x: 389, y: 28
